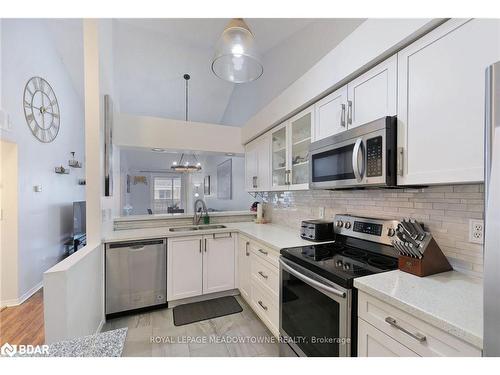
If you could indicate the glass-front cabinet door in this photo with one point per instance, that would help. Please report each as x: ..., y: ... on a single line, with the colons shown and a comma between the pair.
x: 300, y: 134
x: 280, y: 158
x: 290, y: 152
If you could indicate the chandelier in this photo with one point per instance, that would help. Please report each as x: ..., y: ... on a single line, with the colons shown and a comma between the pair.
x: 184, y: 165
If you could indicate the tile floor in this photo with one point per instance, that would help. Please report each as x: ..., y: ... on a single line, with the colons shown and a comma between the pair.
x: 236, y: 335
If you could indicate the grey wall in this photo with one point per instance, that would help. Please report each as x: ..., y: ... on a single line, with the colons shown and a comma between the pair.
x: 134, y: 161
x: 45, y: 219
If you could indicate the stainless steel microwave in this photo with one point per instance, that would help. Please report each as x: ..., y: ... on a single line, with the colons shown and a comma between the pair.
x: 364, y: 156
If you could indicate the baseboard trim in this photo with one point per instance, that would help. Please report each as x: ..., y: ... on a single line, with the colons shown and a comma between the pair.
x: 24, y: 297
x: 101, y: 324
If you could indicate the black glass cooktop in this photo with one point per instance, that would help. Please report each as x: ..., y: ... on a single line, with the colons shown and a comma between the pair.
x: 339, y: 262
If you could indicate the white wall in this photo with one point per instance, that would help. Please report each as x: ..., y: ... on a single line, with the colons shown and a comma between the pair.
x: 149, y: 132
x: 45, y: 217
x: 74, y: 288
x: 285, y: 63
x: 372, y: 41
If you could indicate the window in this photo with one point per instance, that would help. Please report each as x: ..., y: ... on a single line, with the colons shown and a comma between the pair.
x: 167, y: 194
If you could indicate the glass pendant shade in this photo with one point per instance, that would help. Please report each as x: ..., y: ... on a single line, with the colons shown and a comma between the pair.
x: 236, y: 58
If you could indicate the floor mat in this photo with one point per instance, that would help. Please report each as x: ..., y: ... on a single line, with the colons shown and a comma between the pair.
x: 204, y: 310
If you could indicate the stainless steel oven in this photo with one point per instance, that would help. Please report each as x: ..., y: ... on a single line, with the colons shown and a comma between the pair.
x: 364, y: 156
x: 315, y: 313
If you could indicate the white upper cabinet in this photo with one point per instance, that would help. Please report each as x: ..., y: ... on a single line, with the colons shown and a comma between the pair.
x: 331, y: 114
x: 218, y: 263
x: 251, y: 166
x: 257, y: 172
x: 367, y: 98
x: 441, y: 86
x: 290, y: 152
x: 373, y: 94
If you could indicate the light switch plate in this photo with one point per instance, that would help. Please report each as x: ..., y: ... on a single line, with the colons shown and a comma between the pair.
x: 5, y: 123
x: 322, y: 212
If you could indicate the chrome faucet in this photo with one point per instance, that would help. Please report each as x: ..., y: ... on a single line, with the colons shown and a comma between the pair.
x: 197, y: 212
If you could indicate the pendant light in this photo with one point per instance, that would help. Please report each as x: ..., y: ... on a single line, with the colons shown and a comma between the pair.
x: 184, y: 165
x: 236, y: 59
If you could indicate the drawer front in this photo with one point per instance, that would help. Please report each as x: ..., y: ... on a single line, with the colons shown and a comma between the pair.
x: 266, y: 274
x: 437, y: 343
x: 264, y: 252
x: 265, y: 306
x: 375, y: 343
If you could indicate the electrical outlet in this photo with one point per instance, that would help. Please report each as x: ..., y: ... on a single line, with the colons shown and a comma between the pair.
x: 322, y: 212
x: 476, y: 231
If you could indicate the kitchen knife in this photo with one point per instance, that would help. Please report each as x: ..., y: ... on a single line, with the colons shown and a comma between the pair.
x: 415, y: 251
x: 411, y: 241
x: 410, y: 229
x: 400, y: 248
x: 419, y: 229
x: 402, y: 229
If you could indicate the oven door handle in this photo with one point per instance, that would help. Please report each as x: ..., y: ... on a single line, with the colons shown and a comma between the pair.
x: 310, y: 281
x: 358, y: 148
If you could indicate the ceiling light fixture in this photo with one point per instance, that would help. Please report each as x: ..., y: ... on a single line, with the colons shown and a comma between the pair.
x: 236, y: 59
x: 184, y: 165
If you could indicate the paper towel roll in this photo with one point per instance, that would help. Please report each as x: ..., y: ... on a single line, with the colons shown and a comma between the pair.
x: 260, y: 212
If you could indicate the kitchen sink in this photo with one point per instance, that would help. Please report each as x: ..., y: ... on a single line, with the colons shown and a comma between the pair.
x: 197, y: 227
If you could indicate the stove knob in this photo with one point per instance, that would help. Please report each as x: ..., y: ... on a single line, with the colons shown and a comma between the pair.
x: 347, y: 224
x: 347, y: 266
x: 391, y: 232
x: 339, y: 263
x: 339, y: 223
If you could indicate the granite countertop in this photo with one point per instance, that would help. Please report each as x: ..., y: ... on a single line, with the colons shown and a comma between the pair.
x: 274, y: 236
x: 450, y: 301
x: 105, y: 344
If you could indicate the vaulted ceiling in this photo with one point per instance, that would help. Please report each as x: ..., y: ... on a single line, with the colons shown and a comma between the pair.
x: 151, y: 56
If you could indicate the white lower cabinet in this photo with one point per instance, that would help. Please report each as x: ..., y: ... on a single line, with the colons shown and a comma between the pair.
x: 198, y: 265
x: 258, y: 280
x: 244, y: 267
x: 375, y: 343
x: 386, y: 330
x: 184, y: 267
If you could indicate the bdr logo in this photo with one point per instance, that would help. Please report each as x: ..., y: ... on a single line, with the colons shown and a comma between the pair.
x: 11, y: 350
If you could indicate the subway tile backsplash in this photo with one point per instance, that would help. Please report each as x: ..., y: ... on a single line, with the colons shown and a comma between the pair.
x: 445, y: 211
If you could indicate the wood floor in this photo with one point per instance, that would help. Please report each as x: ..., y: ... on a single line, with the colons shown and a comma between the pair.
x: 23, y: 324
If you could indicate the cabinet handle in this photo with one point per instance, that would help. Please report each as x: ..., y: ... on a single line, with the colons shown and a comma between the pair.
x: 262, y: 305
x: 254, y: 182
x: 263, y: 252
x: 246, y: 249
x: 263, y: 275
x: 417, y: 336
x: 400, y: 161
x: 200, y: 246
x: 287, y: 177
x: 342, y: 116
x: 349, y: 112
x: 205, y: 245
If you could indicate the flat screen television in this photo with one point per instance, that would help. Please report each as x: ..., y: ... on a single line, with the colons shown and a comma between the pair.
x: 79, y: 219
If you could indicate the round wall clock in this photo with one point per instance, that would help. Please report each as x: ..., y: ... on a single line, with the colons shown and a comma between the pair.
x: 41, y: 109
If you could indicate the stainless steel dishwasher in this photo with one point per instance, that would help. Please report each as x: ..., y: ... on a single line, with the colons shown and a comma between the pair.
x: 136, y: 275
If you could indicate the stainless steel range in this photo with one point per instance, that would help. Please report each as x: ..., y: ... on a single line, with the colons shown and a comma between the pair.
x: 318, y: 304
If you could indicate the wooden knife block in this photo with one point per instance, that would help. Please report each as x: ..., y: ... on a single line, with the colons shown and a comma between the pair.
x: 433, y: 261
